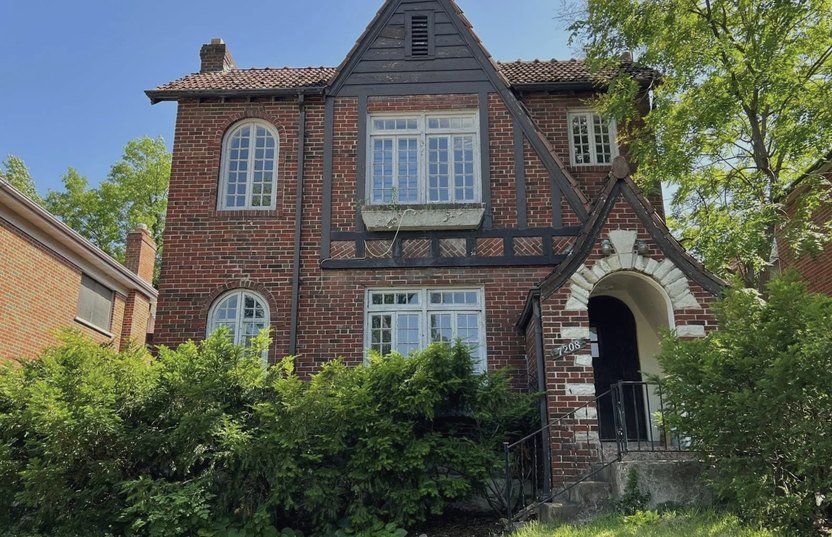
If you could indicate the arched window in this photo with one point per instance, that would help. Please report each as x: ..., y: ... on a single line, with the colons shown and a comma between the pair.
x: 249, y: 167
x: 244, y: 313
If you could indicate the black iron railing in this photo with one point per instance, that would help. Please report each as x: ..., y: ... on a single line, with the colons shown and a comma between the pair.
x: 579, y: 444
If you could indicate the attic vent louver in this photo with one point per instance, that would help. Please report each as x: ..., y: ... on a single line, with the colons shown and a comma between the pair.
x: 420, y: 35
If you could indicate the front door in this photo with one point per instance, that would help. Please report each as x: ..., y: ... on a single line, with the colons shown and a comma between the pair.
x: 615, y: 358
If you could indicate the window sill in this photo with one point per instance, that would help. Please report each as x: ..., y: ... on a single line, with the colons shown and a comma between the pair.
x: 245, y: 213
x: 93, y: 327
x: 457, y: 216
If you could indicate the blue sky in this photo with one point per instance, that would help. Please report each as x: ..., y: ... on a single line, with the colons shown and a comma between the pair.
x: 74, y: 72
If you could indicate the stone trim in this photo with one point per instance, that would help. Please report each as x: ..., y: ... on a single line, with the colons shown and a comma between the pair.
x: 664, y: 272
x: 690, y: 330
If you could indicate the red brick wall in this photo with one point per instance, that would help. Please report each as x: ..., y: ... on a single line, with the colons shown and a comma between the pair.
x: 567, y: 370
x: 209, y: 251
x: 39, y: 291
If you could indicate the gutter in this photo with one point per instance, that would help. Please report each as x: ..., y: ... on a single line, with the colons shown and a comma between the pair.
x: 157, y: 96
x: 116, y: 270
x: 293, y: 330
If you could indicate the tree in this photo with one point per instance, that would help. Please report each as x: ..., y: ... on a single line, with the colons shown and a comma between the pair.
x: 14, y: 171
x: 135, y: 192
x: 741, y: 111
x: 754, y: 399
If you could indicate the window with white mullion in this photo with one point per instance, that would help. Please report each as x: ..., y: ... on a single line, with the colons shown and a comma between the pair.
x: 591, y: 138
x: 406, y: 320
x: 244, y: 313
x: 429, y: 158
x: 249, y: 169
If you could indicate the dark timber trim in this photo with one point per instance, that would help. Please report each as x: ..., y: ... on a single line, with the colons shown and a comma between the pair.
x: 519, y: 113
x: 520, y: 175
x: 572, y: 231
x: 326, y: 213
x: 439, y: 88
x: 658, y: 232
x: 485, y: 155
x: 361, y: 161
x: 502, y: 261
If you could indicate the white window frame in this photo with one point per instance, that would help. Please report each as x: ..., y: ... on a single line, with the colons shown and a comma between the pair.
x: 422, y: 132
x: 611, y: 127
x: 82, y: 317
x: 224, y: 167
x: 424, y: 309
x: 213, y: 325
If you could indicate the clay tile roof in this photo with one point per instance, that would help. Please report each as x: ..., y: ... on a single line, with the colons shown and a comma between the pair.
x: 252, y: 79
x: 562, y: 71
x: 517, y: 73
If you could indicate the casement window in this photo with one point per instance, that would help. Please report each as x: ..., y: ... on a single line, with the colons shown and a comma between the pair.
x: 243, y: 312
x: 249, y: 167
x: 591, y: 139
x: 95, y: 304
x: 424, y: 158
x: 404, y: 320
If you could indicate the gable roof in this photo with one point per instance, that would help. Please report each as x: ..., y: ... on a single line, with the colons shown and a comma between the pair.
x: 620, y: 185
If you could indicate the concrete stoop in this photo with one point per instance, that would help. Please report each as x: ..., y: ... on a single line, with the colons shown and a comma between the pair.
x: 676, y: 479
x: 579, y: 502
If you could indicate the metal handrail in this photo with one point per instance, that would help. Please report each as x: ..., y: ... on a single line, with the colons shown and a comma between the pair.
x: 634, y: 430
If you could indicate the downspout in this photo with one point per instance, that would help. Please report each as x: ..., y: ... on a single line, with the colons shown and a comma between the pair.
x: 293, y: 330
x: 541, y: 387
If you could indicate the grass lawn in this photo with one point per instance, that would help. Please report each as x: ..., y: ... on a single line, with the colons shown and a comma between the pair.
x: 687, y: 524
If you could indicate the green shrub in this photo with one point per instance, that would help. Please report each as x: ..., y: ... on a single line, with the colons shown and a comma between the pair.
x: 204, y: 440
x: 755, y: 397
x: 632, y: 501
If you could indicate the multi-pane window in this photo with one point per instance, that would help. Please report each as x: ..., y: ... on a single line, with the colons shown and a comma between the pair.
x: 244, y: 313
x: 95, y: 303
x: 424, y: 158
x: 592, y: 138
x: 249, y: 169
x: 404, y: 320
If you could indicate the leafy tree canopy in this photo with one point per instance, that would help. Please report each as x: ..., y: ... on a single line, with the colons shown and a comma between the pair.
x: 134, y: 192
x: 741, y: 112
x: 14, y: 170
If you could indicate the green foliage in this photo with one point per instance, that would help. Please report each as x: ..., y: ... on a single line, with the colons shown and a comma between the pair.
x: 741, y: 111
x: 14, y: 170
x: 205, y: 440
x: 633, y: 501
x: 651, y: 524
x: 755, y: 399
x: 135, y: 192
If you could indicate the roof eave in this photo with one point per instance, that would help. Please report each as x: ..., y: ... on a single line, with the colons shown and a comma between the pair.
x: 68, y: 234
x: 157, y: 96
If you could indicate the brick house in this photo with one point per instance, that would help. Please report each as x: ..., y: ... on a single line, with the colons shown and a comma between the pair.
x: 52, y: 278
x: 420, y: 191
x: 816, y: 268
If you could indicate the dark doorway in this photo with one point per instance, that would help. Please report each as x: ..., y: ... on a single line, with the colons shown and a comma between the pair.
x: 615, y: 358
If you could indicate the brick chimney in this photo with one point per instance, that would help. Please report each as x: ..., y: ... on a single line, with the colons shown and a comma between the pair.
x: 140, y: 254
x: 215, y: 57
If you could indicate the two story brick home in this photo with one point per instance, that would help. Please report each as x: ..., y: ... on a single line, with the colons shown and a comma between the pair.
x: 420, y: 191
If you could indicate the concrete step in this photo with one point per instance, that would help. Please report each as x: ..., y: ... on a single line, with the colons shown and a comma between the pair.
x: 592, y: 493
x: 558, y: 512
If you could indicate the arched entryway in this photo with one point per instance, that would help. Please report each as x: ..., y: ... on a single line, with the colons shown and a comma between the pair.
x: 627, y: 313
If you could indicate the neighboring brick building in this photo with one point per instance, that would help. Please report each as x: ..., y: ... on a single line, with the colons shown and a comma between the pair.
x: 815, y: 267
x: 52, y: 278
x: 419, y: 191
